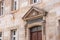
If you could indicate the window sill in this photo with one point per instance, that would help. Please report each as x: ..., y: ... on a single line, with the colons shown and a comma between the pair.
x: 14, y: 11
x: 35, y: 3
x: 2, y: 16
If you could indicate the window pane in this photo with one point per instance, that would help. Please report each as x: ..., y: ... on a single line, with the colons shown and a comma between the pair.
x: 35, y: 1
x: 59, y: 26
x: 14, y: 32
x: 15, y: 5
x: 13, y: 38
x: 1, y: 7
x: 2, y: 10
x: 0, y: 34
x: 39, y: 28
x: 34, y: 29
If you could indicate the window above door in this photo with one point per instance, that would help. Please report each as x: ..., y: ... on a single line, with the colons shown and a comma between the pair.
x: 36, y: 28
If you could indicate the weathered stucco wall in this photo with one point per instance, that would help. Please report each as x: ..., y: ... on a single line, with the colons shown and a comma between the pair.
x: 7, y: 22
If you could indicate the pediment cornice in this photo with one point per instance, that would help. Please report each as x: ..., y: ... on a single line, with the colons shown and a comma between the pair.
x: 34, y: 13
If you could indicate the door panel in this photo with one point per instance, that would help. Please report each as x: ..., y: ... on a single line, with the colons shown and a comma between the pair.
x: 39, y: 35
x: 34, y: 36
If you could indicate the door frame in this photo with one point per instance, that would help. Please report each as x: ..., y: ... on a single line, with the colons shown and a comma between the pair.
x: 32, y: 25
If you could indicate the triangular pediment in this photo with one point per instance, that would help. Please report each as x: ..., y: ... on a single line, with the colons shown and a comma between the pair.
x: 34, y: 13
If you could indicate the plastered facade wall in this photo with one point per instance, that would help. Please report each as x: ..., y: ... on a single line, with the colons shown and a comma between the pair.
x: 8, y: 23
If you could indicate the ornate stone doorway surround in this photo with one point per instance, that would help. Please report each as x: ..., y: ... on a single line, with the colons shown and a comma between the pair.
x: 35, y: 17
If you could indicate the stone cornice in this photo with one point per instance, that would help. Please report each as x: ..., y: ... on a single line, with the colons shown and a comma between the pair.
x: 29, y: 13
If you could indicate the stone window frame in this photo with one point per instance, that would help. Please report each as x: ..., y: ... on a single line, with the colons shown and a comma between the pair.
x: 14, y: 5
x: 13, y: 35
x: 59, y: 27
x: 58, y: 22
x: 32, y: 1
x: 13, y: 28
x: 1, y: 35
x: 1, y: 7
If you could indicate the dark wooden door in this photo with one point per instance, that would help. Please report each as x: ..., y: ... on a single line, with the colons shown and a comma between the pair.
x: 36, y: 33
x: 39, y: 35
x: 34, y: 36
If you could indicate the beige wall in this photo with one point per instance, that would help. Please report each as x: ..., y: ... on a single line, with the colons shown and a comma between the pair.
x: 7, y: 22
